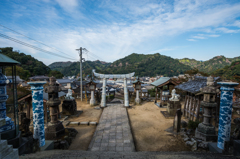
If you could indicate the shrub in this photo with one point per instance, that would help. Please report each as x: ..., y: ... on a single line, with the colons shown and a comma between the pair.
x: 193, y: 124
x: 111, y: 96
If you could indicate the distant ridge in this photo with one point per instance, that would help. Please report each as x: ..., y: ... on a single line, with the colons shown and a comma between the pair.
x: 210, y: 65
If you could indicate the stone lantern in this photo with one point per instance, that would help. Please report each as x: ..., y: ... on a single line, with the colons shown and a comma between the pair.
x: 137, y: 86
x: 92, y: 86
x: 205, y: 130
x: 55, y: 128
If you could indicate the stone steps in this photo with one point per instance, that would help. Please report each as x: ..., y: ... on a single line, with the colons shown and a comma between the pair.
x: 75, y: 154
x: 7, y: 151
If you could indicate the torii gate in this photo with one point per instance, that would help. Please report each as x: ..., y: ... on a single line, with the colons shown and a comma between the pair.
x: 104, y: 78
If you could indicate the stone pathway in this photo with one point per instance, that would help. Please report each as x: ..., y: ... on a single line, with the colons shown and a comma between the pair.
x: 78, y: 154
x: 113, y: 132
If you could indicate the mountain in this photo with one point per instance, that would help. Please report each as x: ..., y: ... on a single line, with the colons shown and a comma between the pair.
x: 142, y: 65
x: 58, y: 66
x: 231, y: 72
x: 211, y: 65
x: 147, y: 65
x: 74, y: 68
x: 29, y: 65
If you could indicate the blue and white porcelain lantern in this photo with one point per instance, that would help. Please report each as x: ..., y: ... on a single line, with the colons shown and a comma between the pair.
x: 38, y: 112
x: 3, y: 98
x: 225, y: 114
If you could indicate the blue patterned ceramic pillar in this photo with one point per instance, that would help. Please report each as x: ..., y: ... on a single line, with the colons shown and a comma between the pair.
x: 225, y: 114
x: 3, y: 98
x: 38, y: 112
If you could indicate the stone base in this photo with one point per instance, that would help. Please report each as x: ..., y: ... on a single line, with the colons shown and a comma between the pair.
x: 92, y: 102
x: 138, y: 101
x: 69, y: 107
x: 171, y: 112
x: 49, y: 145
x: 54, y: 131
x: 6, y: 135
x: 205, y: 137
x: 172, y: 107
x: 213, y: 147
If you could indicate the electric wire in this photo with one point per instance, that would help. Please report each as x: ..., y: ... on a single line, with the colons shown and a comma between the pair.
x: 33, y: 47
x: 96, y: 56
x: 33, y: 39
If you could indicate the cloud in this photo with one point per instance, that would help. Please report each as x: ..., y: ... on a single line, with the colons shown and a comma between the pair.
x: 199, y: 37
x: 68, y: 5
x: 114, y: 29
x: 226, y: 30
x: 213, y: 36
x: 191, y: 40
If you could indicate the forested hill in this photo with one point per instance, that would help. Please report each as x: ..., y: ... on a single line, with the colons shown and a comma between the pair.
x: 74, y: 68
x: 211, y: 65
x: 231, y: 72
x: 29, y: 65
x: 147, y: 65
x: 142, y: 65
x: 59, y: 65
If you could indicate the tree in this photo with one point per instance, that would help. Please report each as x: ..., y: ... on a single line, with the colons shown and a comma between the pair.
x: 55, y: 74
x: 23, y: 74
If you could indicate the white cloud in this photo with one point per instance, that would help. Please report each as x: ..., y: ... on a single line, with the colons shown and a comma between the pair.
x: 191, y: 40
x: 199, y: 37
x: 214, y: 36
x: 226, y: 30
x: 68, y: 5
x: 123, y: 27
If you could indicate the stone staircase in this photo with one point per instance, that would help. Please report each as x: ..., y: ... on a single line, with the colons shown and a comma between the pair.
x: 78, y: 154
x: 7, y: 151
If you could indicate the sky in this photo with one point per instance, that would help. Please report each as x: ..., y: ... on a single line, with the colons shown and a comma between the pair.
x: 113, y: 29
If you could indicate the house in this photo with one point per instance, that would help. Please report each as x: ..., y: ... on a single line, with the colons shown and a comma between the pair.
x: 18, y: 79
x: 39, y: 78
x: 66, y: 83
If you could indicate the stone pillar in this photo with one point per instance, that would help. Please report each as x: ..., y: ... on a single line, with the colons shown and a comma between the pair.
x: 92, y: 100
x: 38, y: 113
x: 54, y: 129
x: 103, y: 102
x: 3, y: 98
x: 126, y: 101
x: 225, y: 114
x: 137, y: 100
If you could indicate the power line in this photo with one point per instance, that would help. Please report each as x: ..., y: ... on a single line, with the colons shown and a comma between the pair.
x: 33, y: 47
x: 32, y: 39
x: 97, y: 56
x: 92, y: 57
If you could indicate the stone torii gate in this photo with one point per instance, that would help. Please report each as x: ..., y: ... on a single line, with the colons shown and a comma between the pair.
x: 104, y: 78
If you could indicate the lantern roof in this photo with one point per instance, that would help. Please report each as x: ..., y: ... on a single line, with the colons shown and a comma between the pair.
x: 5, y: 60
x: 137, y: 81
x: 92, y: 82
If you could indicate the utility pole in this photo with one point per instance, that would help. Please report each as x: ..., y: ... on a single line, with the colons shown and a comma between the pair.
x: 80, y: 55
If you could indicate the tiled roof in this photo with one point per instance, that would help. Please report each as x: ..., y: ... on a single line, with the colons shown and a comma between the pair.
x: 60, y: 81
x: 193, y: 86
x: 39, y: 77
x: 160, y: 81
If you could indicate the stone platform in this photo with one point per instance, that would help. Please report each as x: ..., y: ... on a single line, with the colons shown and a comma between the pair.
x: 113, y: 132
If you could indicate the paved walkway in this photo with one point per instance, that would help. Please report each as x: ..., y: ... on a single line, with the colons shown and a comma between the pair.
x: 78, y: 154
x: 113, y: 132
